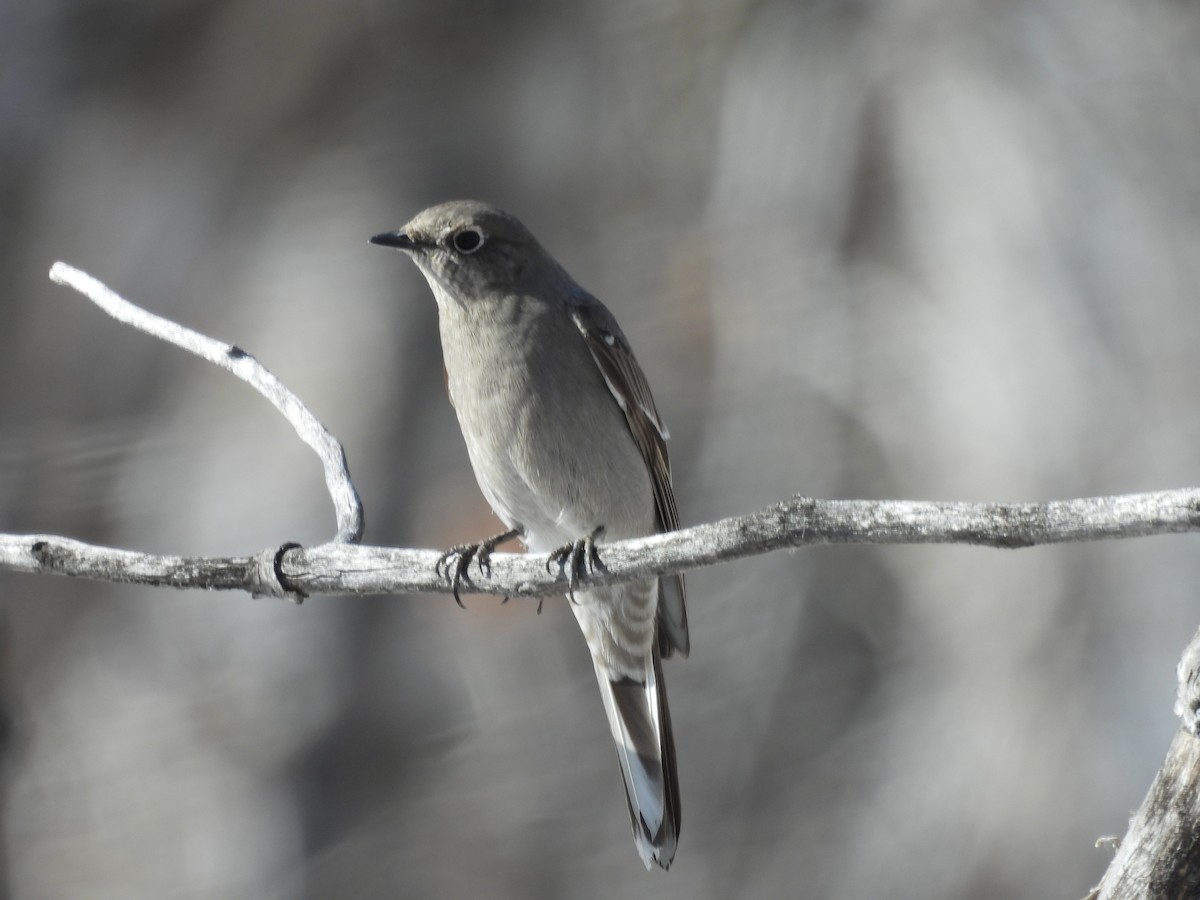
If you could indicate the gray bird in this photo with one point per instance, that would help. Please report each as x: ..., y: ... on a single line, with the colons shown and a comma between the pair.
x: 570, y: 451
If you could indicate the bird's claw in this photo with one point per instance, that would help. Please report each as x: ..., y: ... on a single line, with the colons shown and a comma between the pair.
x: 481, y: 552
x: 454, y: 572
x: 576, y: 558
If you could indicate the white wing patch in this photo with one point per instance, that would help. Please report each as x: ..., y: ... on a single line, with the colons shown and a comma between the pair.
x: 628, y: 387
x: 612, y: 389
x: 610, y: 340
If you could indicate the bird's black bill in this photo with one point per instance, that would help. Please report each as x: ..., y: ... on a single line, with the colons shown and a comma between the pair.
x: 397, y: 239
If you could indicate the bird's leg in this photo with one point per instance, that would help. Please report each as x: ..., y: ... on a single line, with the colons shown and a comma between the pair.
x: 577, y: 558
x: 464, y: 553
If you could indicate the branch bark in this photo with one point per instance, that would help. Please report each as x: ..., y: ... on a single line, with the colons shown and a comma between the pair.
x: 1160, y: 854
x: 341, y: 568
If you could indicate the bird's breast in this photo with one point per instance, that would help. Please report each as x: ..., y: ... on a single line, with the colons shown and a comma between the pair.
x: 549, y: 445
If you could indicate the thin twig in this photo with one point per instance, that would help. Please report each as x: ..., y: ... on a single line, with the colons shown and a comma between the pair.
x: 346, y: 504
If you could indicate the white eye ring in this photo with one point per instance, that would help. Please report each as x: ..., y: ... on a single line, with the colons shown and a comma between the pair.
x: 468, y: 240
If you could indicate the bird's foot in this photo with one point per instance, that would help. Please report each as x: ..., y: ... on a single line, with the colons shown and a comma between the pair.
x: 462, y: 554
x: 577, y: 558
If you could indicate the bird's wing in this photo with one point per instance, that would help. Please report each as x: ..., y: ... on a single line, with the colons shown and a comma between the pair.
x: 625, y: 380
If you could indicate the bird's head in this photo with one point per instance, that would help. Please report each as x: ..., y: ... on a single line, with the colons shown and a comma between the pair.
x: 468, y: 250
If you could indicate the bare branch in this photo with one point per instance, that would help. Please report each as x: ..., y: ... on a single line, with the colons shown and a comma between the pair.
x: 346, y: 504
x: 1160, y: 854
x: 338, y: 568
x: 63, y: 556
x: 341, y: 567
x: 797, y: 522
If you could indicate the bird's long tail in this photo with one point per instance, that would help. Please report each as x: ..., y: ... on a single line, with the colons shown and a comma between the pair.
x: 641, y: 727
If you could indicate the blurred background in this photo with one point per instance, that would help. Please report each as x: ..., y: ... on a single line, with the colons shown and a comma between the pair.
x: 907, y: 249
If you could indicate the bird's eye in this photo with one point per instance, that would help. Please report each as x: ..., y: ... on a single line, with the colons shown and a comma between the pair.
x: 468, y: 240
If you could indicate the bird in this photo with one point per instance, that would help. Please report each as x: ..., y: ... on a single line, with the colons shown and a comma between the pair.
x: 570, y: 452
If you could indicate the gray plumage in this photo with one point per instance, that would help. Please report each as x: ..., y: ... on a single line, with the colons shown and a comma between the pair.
x: 565, y: 439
